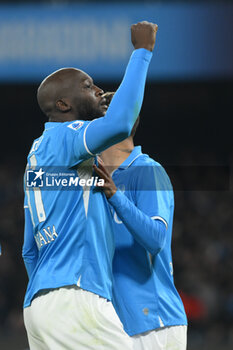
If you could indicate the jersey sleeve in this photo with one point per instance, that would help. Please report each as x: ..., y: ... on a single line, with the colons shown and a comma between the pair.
x: 71, y: 143
x: 154, y: 194
x: 81, y: 140
x: 151, y: 234
x: 30, y: 250
x: 124, y: 108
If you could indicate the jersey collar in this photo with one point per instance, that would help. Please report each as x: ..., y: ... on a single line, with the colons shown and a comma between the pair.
x: 137, y: 151
x: 50, y: 125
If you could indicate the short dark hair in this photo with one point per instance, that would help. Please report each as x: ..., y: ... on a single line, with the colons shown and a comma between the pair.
x: 109, y: 95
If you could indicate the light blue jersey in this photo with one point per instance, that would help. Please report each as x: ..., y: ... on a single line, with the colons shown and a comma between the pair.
x: 145, y: 296
x: 68, y: 237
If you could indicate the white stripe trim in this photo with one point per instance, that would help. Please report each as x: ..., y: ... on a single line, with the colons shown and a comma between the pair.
x: 111, y: 174
x: 159, y: 218
x: 39, y: 205
x: 30, y: 208
x: 84, y: 174
x: 38, y: 196
x: 161, y: 322
x: 33, y: 161
x: 28, y: 199
x: 26, y: 206
x: 79, y: 281
x: 134, y: 159
x: 84, y: 140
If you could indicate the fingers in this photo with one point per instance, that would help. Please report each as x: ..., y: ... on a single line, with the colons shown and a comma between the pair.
x: 108, y: 186
x: 100, y: 173
x: 143, y: 35
x: 102, y: 167
x: 145, y: 23
x: 100, y: 160
x: 108, y: 96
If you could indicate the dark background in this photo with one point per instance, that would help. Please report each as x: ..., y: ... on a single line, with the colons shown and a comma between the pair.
x: 176, y: 117
x: 185, y: 124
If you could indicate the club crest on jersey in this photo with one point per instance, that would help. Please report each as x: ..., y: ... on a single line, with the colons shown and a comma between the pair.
x: 75, y: 126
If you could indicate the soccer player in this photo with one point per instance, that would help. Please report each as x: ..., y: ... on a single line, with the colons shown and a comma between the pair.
x: 68, y: 240
x: 145, y: 296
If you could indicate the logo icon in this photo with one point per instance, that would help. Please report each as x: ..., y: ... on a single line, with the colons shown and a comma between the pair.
x: 34, y: 178
x: 75, y: 126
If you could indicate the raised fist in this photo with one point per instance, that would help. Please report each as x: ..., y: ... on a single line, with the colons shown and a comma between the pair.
x: 143, y: 35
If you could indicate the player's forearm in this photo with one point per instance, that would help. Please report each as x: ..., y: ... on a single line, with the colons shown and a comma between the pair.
x: 151, y: 234
x: 127, y: 101
x: 124, y: 109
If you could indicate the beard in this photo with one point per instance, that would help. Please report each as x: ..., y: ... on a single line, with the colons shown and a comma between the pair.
x: 88, y: 111
x: 100, y: 112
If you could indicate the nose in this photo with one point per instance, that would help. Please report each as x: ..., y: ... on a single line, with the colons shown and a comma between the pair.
x: 98, y: 91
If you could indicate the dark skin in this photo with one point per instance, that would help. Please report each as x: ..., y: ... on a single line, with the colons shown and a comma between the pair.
x: 109, y: 187
x: 69, y: 94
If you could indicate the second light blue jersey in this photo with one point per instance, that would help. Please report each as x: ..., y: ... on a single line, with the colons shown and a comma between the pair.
x: 145, y: 296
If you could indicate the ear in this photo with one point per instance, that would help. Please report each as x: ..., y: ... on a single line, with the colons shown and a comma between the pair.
x: 63, y: 105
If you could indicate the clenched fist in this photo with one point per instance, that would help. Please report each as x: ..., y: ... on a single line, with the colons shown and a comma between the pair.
x: 143, y: 35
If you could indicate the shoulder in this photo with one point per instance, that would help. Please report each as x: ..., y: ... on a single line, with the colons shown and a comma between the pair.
x: 144, y: 160
x: 68, y: 131
x: 74, y: 125
x: 146, y: 167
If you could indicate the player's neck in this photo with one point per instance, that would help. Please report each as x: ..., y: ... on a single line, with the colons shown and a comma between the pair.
x: 114, y: 156
x: 63, y: 117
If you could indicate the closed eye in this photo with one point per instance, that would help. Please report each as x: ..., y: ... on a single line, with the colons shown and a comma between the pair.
x: 88, y: 84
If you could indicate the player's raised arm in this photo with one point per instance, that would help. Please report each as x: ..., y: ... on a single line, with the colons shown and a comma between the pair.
x: 70, y: 95
x: 116, y: 125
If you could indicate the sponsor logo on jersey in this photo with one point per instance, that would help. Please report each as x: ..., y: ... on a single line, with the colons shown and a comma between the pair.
x: 75, y: 126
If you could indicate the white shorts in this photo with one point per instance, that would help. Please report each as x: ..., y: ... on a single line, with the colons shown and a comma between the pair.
x: 71, y: 318
x: 167, y: 338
